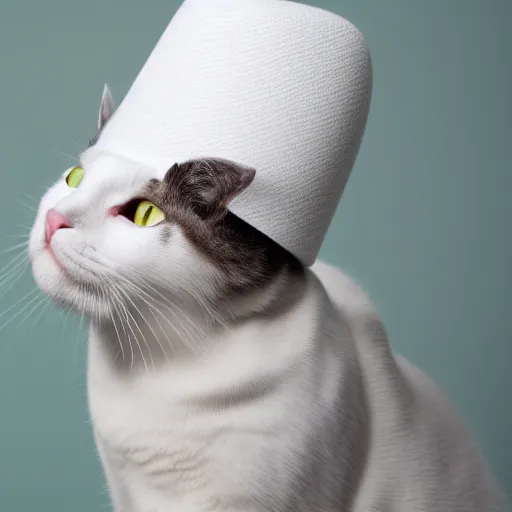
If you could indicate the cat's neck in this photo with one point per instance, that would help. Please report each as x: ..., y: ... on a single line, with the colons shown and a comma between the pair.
x: 161, y: 331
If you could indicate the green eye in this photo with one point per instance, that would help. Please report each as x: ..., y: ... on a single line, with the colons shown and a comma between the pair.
x: 147, y: 214
x: 75, y: 177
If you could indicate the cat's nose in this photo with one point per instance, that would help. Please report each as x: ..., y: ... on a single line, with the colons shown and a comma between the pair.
x: 55, y: 221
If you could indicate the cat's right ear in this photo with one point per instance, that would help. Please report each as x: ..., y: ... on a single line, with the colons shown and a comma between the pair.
x: 107, y: 108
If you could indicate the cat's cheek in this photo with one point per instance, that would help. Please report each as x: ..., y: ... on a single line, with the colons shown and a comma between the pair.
x: 36, y: 243
x: 130, y: 246
x: 121, y: 246
x: 47, y: 274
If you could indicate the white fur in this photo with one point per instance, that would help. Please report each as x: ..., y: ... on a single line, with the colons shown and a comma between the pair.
x: 266, y: 414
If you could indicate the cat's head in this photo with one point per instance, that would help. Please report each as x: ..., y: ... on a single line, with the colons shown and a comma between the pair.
x: 108, y: 232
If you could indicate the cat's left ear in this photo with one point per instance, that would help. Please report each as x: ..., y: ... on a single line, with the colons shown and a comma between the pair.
x: 107, y: 108
x: 209, y: 184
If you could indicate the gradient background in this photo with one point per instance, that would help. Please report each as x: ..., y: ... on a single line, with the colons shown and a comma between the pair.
x: 424, y: 224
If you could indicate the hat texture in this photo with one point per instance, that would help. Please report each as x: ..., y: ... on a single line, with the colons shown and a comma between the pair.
x: 275, y: 85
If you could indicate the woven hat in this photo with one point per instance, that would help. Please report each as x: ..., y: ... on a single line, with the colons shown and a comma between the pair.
x: 275, y: 85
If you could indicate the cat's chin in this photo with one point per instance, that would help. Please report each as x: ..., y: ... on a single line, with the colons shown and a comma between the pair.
x: 65, y: 290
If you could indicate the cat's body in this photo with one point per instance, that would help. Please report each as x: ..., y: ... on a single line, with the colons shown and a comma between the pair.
x: 223, y: 376
x: 306, y: 412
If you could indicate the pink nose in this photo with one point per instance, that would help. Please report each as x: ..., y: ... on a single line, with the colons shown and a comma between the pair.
x: 55, y: 221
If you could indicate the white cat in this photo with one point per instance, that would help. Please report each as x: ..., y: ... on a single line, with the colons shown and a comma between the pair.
x: 224, y: 376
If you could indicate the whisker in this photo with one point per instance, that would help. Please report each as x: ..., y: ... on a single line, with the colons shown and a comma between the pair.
x: 64, y: 324
x: 24, y: 236
x: 118, y: 309
x: 77, y: 144
x: 208, y: 309
x: 164, y: 333
x: 103, y: 293
x: 12, y: 306
x: 142, y: 316
x: 42, y: 312
x: 40, y: 303
x: 14, y: 247
x: 13, y: 274
x: 73, y: 158
x: 20, y: 312
x: 165, y: 300
x: 117, y: 333
x: 153, y: 332
x: 173, y: 305
x: 78, y: 332
x: 13, y: 261
x: 7, y: 282
x: 32, y: 208
x: 138, y: 289
x: 128, y: 315
x: 22, y: 226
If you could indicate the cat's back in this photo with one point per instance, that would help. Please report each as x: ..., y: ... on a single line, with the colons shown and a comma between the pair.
x: 422, y: 457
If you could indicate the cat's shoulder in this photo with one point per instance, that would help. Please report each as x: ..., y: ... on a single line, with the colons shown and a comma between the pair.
x: 343, y: 290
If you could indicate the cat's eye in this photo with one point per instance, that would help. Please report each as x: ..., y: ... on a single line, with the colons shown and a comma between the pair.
x: 147, y: 214
x: 74, y: 177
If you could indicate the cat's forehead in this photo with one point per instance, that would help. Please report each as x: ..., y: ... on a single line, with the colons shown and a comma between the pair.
x: 101, y: 166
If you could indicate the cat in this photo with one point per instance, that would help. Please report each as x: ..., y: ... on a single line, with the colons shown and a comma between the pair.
x: 225, y: 376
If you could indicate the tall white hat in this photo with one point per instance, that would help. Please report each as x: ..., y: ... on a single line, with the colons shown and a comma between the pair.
x: 278, y: 86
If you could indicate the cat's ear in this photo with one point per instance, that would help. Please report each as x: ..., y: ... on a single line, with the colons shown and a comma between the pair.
x: 209, y: 184
x: 107, y: 107
x: 225, y: 180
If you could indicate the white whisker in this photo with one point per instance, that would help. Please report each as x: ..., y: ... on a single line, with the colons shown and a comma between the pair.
x: 24, y: 236
x: 71, y: 157
x: 128, y: 315
x: 21, y: 311
x: 173, y: 305
x: 14, y: 276
x: 40, y: 303
x: 41, y: 313
x: 160, y: 325
x: 12, y: 306
x: 142, y: 316
x: 31, y: 208
x: 119, y: 311
x: 140, y: 290
x: 22, y: 226
x: 64, y: 323
x: 112, y: 316
x: 32, y: 198
x: 6, y: 269
x: 14, y: 247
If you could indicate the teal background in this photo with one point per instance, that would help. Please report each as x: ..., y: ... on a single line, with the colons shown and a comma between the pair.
x: 424, y: 224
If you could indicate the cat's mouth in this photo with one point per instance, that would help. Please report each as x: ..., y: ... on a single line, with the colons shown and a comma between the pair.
x: 58, y: 263
x: 78, y: 270
x: 64, y: 277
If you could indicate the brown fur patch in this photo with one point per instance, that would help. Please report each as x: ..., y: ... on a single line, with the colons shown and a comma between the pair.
x: 196, y: 195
